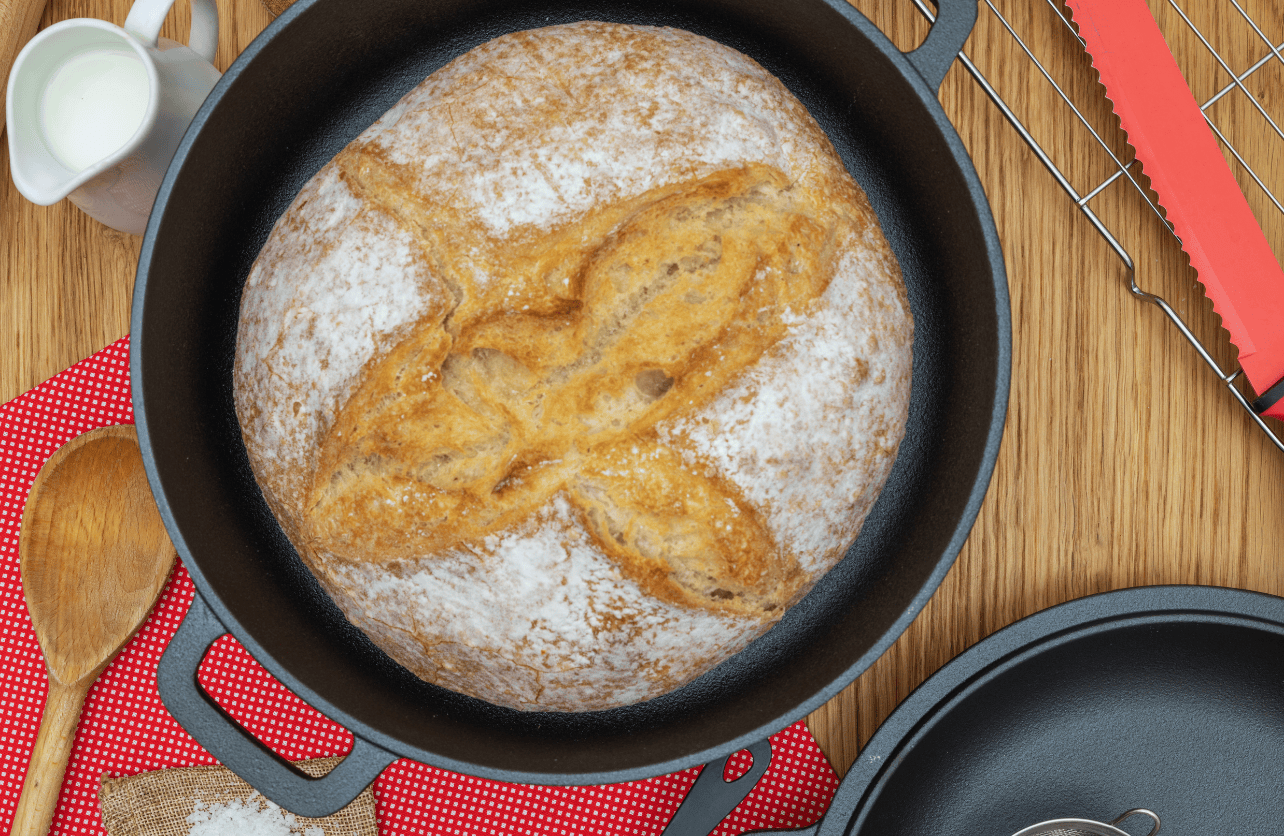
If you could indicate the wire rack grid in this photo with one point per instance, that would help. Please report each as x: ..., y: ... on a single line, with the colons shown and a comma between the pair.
x: 1231, y: 378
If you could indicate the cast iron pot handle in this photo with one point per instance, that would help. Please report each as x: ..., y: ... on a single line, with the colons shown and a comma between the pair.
x: 712, y: 799
x: 954, y: 22
x: 227, y: 740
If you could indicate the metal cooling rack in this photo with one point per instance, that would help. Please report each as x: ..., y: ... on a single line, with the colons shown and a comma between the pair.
x: 1231, y: 379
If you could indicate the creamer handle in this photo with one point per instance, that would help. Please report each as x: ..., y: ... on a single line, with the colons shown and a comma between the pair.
x: 146, y: 17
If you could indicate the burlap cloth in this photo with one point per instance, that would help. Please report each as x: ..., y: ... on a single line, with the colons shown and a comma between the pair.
x: 160, y: 803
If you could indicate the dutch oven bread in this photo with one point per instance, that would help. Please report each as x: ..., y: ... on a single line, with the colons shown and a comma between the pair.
x: 578, y: 368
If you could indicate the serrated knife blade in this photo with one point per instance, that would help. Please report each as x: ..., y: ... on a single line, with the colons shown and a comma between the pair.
x: 1195, y: 185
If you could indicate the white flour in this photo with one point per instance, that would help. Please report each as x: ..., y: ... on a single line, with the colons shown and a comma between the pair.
x: 255, y: 816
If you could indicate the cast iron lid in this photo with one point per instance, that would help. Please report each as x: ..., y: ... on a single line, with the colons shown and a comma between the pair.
x: 1169, y: 698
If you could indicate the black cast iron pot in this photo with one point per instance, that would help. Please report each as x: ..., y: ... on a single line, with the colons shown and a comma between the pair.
x: 320, y: 74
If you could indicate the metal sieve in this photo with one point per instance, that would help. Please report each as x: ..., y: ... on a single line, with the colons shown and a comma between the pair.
x: 1087, y: 827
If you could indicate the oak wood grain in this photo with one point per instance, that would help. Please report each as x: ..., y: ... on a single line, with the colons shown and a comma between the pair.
x: 1124, y: 462
x: 18, y: 23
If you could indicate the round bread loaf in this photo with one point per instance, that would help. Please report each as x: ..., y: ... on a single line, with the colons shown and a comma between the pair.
x: 573, y: 372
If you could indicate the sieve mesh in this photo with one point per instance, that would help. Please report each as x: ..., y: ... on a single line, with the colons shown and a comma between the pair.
x: 1088, y: 827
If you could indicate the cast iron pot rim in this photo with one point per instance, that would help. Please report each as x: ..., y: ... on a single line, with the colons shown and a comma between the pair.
x: 968, y: 514
x: 1007, y: 648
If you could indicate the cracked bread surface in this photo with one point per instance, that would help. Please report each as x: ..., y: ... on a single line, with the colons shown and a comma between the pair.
x: 579, y: 367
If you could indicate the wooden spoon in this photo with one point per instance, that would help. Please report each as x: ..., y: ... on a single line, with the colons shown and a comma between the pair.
x: 19, y: 20
x: 94, y: 556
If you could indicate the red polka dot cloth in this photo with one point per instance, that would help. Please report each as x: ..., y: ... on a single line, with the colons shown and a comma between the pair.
x: 124, y: 729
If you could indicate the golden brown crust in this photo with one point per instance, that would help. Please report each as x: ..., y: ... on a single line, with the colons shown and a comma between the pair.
x: 555, y: 459
x: 487, y: 418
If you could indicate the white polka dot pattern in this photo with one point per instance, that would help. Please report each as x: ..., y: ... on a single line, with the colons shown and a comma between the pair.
x: 125, y: 729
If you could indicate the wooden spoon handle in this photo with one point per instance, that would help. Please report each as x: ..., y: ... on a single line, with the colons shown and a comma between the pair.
x: 49, y: 758
x: 19, y: 20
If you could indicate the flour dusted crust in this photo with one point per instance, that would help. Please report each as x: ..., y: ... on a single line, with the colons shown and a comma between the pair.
x: 578, y: 368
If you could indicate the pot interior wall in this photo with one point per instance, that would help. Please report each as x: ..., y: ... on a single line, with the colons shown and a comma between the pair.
x: 318, y: 77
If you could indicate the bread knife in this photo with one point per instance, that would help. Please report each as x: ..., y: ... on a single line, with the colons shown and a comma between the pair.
x: 1196, y: 187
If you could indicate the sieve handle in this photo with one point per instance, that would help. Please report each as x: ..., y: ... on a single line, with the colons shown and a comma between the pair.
x: 1140, y: 811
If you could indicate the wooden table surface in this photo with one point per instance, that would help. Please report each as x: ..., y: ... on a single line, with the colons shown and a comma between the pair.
x: 1124, y: 461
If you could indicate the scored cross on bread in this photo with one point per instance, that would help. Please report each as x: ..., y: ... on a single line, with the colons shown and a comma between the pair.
x: 472, y: 426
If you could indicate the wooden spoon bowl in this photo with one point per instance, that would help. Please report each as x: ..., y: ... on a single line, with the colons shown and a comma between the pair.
x: 94, y: 558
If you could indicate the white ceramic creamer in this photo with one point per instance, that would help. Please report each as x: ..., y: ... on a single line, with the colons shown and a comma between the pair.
x: 95, y: 111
